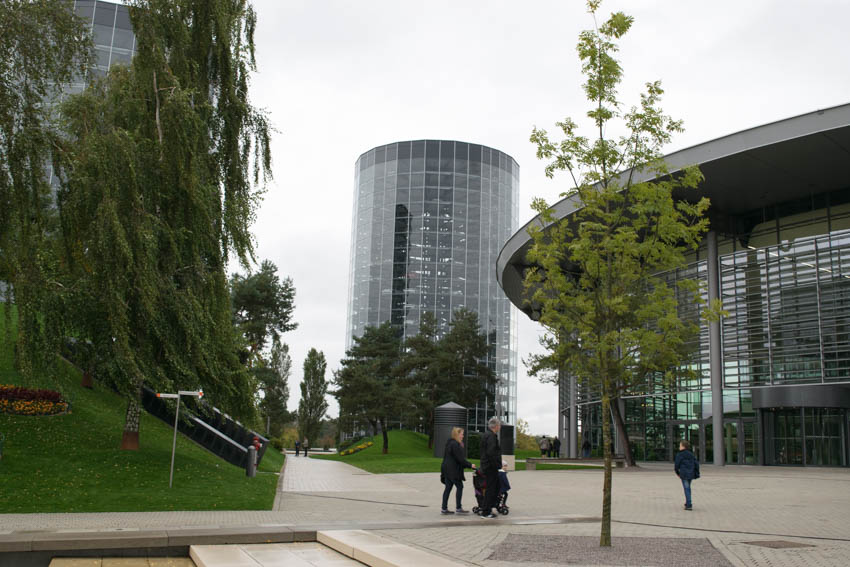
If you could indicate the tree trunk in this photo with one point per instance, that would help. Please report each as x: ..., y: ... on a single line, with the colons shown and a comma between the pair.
x: 623, y: 432
x: 87, y: 382
x: 130, y: 439
x: 431, y: 431
x: 383, y: 423
x: 605, y: 532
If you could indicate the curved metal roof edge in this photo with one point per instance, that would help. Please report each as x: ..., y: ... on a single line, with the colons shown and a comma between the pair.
x: 718, y: 148
x: 434, y: 140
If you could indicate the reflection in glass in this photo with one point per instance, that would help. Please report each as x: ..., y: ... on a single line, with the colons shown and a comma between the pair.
x: 425, y: 249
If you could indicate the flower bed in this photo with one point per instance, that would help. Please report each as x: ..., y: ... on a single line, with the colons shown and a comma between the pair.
x: 360, y: 447
x: 25, y: 401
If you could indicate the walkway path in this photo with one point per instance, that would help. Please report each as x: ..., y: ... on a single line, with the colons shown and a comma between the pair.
x: 732, y: 506
x: 319, y: 475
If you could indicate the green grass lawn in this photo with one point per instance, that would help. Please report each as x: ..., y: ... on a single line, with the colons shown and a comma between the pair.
x: 409, y: 453
x: 71, y: 463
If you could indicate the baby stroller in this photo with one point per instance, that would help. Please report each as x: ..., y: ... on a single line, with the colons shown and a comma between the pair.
x: 479, y: 484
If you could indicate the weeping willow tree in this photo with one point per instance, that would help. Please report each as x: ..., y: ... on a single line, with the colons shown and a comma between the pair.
x: 163, y: 169
x: 42, y: 46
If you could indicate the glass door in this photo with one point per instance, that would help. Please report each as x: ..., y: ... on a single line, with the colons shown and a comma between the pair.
x: 730, y: 442
x: 749, y: 443
x: 691, y: 431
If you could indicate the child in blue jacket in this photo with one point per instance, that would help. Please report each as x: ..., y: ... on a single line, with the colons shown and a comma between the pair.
x: 686, y: 467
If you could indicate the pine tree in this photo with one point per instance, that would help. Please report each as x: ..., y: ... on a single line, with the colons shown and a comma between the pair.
x: 313, y: 406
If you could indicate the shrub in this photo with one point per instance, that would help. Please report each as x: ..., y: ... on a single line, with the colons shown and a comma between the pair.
x: 356, y: 449
x: 350, y: 443
x: 25, y: 401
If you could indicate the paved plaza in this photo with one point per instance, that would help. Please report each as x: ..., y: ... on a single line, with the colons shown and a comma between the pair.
x: 800, y: 516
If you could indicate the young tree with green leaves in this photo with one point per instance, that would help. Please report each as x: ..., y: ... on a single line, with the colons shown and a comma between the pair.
x: 611, y: 322
x: 163, y: 168
x: 262, y: 308
x: 313, y: 406
x: 42, y: 47
x: 367, y: 384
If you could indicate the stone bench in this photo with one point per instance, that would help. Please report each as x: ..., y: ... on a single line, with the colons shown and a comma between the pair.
x: 532, y: 462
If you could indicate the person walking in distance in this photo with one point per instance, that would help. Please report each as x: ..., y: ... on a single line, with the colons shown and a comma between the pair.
x: 304, y: 446
x: 544, y: 446
x: 491, y: 462
x: 297, y: 447
x: 556, y: 447
x: 451, y: 471
x: 686, y: 468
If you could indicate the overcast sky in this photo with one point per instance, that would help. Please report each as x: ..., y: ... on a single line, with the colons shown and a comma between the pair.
x: 339, y: 78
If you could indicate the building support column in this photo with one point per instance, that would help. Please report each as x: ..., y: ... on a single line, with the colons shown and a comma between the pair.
x: 573, y: 425
x: 715, y: 354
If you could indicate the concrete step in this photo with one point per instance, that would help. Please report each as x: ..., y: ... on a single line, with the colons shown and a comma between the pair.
x: 269, y: 555
x: 379, y: 551
x: 122, y: 562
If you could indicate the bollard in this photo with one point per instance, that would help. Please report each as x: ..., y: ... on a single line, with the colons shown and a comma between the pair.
x: 251, y: 465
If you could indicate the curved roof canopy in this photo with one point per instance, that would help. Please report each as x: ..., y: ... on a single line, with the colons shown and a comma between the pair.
x: 766, y: 165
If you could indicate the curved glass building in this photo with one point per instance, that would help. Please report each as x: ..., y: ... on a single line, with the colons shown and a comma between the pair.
x: 429, y: 219
x: 772, y: 379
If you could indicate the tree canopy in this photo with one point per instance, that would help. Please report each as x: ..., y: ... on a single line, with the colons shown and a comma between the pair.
x: 263, y: 306
x: 611, y: 320
x: 450, y: 368
x: 367, y: 385
x: 163, y: 168
x: 314, y: 387
x: 43, y: 46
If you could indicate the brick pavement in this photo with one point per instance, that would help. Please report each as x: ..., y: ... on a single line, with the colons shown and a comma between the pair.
x: 732, y: 505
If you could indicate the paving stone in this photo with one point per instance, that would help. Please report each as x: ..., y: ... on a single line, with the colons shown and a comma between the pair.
x: 125, y: 562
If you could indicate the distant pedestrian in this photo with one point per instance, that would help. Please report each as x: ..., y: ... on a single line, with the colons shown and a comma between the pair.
x: 305, y: 444
x: 556, y: 449
x: 686, y: 468
x: 451, y: 471
x: 297, y: 447
x: 585, y: 449
x: 491, y: 462
x: 544, y: 446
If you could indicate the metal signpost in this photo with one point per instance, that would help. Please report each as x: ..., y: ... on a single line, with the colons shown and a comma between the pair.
x: 197, y: 394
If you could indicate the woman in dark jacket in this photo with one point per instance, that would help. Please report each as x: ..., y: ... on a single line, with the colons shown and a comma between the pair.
x: 454, y: 461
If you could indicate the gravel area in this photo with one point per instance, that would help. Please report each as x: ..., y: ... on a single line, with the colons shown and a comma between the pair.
x: 585, y: 550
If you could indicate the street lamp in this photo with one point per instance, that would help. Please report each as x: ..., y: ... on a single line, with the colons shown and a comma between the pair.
x: 195, y: 394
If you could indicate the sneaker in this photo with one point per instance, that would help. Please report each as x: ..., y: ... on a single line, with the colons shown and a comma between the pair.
x: 490, y: 515
x: 689, y: 508
x: 461, y: 511
x: 444, y: 511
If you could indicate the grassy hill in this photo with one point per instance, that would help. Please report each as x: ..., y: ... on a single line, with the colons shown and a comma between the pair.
x: 71, y: 463
x: 409, y: 453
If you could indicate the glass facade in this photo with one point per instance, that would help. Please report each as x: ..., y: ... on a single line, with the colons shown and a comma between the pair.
x: 114, y: 40
x: 785, y: 282
x: 429, y: 220
x: 114, y: 43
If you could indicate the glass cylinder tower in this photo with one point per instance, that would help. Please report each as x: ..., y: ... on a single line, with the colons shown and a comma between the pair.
x: 429, y: 220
